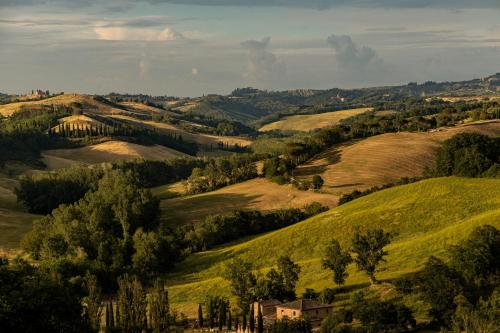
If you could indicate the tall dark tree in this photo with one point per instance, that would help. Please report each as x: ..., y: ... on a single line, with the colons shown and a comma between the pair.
x: 260, y: 320
x: 132, y: 304
x: 252, y: 319
x: 159, y: 308
x: 200, y: 316
x: 369, y: 250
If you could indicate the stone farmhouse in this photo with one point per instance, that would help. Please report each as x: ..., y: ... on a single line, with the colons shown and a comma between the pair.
x: 314, y: 311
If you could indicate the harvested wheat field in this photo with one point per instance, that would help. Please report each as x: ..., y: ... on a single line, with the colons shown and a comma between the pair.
x: 106, y: 152
x: 204, y: 139
x: 383, y: 158
x: 83, y: 103
x: 306, y: 123
x: 256, y: 194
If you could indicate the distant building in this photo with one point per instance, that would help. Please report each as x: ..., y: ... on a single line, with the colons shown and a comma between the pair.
x: 312, y: 310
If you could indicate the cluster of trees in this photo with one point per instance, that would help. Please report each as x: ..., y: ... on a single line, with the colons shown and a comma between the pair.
x: 110, y: 231
x: 32, y: 301
x: 469, y: 155
x: 368, y: 248
x: 247, y: 287
x: 155, y: 173
x: 134, y: 308
x: 372, y: 315
x: 463, y: 293
x: 218, y: 313
x: 221, y: 172
x: 23, y: 135
x: 220, y: 229
x: 41, y: 193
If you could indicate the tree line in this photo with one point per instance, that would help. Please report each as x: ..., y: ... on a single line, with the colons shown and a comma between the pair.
x: 220, y: 229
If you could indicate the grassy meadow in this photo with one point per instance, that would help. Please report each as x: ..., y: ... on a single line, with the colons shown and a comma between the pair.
x: 425, y: 218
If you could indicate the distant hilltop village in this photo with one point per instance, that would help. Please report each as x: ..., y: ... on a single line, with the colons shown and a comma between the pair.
x: 492, y: 82
x: 38, y: 94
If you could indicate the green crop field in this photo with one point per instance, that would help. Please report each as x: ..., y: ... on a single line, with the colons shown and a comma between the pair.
x: 425, y: 218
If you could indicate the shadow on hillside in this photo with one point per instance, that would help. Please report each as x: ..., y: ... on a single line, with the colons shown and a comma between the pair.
x: 195, y: 209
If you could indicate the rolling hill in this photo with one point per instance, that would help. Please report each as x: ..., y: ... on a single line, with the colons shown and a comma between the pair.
x: 305, y: 123
x: 425, y: 218
x: 84, y: 103
x: 108, y: 151
x: 256, y: 194
x: 383, y: 158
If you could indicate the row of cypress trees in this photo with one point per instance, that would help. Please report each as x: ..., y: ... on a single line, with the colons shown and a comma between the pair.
x: 222, y: 317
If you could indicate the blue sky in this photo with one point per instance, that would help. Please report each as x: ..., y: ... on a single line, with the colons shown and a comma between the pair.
x: 195, y: 47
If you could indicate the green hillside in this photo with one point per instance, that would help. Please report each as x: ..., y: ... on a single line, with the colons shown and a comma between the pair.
x: 425, y: 217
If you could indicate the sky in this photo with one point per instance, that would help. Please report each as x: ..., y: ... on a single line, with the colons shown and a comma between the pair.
x: 196, y: 47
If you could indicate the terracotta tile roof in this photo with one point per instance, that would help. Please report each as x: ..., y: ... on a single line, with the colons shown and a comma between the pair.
x: 270, y: 302
x: 304, y: 304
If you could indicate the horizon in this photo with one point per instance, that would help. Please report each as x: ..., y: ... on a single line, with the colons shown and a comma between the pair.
x: 164, y: 47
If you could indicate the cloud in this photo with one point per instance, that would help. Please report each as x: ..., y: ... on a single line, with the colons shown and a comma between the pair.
x: 316, y: 4
x: 262, y: 64
x: 143, y: 68
x: 351, y: 56
x: 137, y: 34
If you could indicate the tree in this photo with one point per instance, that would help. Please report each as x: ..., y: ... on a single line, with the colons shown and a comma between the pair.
x: 260, y: 320
x: 159, y: 308
x: 242, y: 280
x: 478, y: 257
x: 337, y: 261
x: 252, y: 319
x: 229, y: 324
x: 93, y: 301
x: 33, y: 302
x: 369, y: 250
x: 290, y: 272
x: 438, y: 285
x: 384, y: 316
x: 317, y: 182
x: 310, y: 293
x: 200, y: 316
x: 132, y: 304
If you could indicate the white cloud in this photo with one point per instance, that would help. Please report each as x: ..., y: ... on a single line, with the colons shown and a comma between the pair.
x: 137, y: 34
x: 263, y: 65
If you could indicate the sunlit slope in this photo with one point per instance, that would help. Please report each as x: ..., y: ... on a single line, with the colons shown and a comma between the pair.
x: 84, y: 103
x: 306, y: 123
x: 256, y: 194
x: 384, y: 158
x: 425, y: 217
x: 109, y: 151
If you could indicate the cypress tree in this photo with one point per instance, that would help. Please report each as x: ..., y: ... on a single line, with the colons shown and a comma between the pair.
x: 260, y: 321
x: 229, y: 320
x: 111, y: 315
x: 252, y: 319
x: 200, y: 316
x: 244, y: 321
